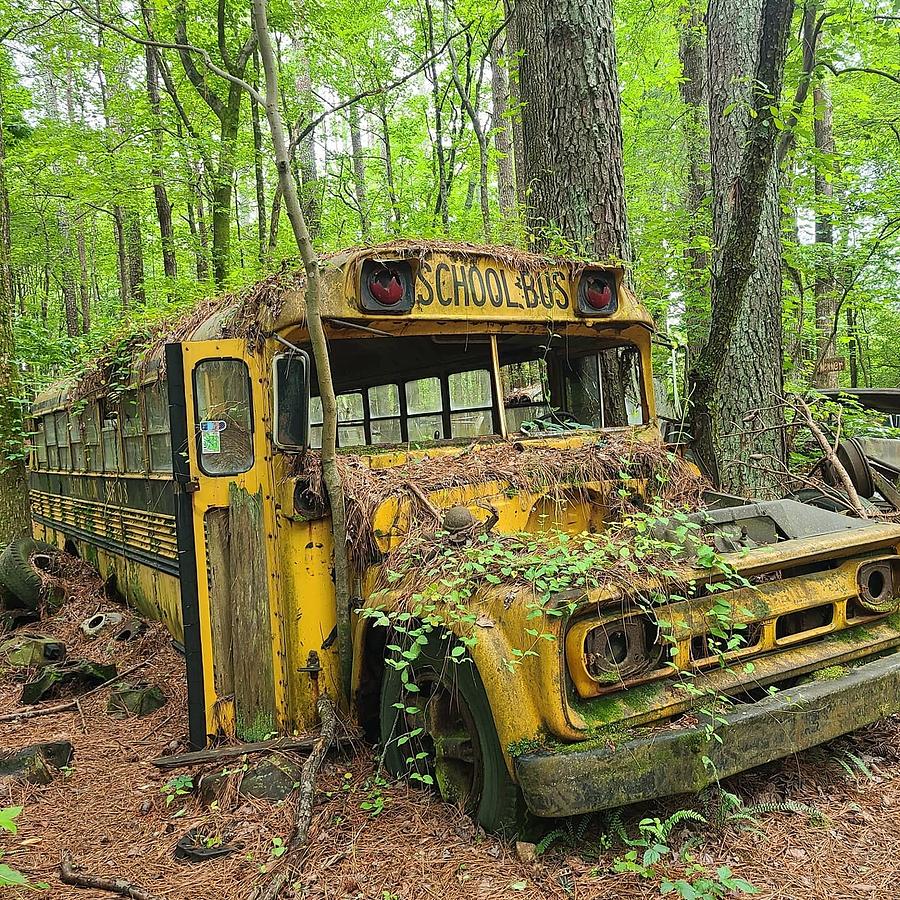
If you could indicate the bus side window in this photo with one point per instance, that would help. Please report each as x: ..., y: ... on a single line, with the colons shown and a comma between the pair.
x: 424, y: 404
x: 156, y: 406
x: 91, y: 434
x: 52, y: 449
x: 77, y: 441
x: 384, y: 414
x: 471, y: 403
x: 351, y: 420
x: 224, y: 416
x: 524, y: 392
x: 109, y: 439
x: 62, y: 440
x: 132, y: 432
x: 40, y: 443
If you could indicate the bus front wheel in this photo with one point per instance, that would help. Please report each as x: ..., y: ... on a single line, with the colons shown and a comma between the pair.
x: 443, y: 735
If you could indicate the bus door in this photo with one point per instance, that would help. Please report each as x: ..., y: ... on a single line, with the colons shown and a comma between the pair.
x: 233, y: 634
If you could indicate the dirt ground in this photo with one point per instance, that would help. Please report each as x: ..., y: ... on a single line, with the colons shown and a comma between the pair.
x: 393, y: 842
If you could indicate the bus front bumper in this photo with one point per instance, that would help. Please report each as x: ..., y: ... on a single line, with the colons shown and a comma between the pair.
x: 676, y: 760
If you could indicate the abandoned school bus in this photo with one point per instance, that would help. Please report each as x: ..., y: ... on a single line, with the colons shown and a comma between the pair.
x: 196, y: 489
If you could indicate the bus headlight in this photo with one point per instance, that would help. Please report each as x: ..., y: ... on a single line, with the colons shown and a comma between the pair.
x: 878, y: 583
x: 614, y: 651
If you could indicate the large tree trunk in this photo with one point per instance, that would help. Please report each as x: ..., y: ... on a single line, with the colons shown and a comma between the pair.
x: 15, y: 515
x: 513, y: 46
x: 826, y: 344
x: 737, y: 380
x: 441, y: 206
x: 121, y: 257
x: 359, y: 173
x: 134, y: 250
x: 258, y: 171
x: 573, y: 125
x: 506, y: 187
x: 160, y: 194
x: 84, y: 281
x: 692, y: 51
x: 387, y: 156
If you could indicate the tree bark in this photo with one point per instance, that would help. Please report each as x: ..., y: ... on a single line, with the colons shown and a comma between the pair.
x: 15, y: 514
x: 359, y: 172
x: 506, y: 187
x: 692, y: 52
x: 258, y: 170
x: 737, y: 379
x: 826, y: 344
x: 388, y: 158
x: 513, y: 46
x: 160, y: 194
x: 121, y: 257
x: 573, y: 126
x: 227, y: 109
x: 134, y: 251
x: 84, y: 281
x: 442, y: 210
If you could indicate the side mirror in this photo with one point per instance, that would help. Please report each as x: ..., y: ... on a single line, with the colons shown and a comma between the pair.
x: 290, y: 380
x: 675, y: 434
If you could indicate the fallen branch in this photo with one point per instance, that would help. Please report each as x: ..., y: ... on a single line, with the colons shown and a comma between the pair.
x: 417, y: 492
x: 120, y: 886
x: 305, y: 798
x: 801, y: 406
x: 216, y: 754
x: 69, y: 704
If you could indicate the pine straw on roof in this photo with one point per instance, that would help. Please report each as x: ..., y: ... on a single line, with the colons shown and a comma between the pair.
x: 246, y: 312
x: 518, y: 466
x: 512, y: 257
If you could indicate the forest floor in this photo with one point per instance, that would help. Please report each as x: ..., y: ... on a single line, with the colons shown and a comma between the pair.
x: 111, y: 810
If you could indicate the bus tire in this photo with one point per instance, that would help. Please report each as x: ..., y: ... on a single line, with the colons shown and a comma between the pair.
x: 463, y: 754
x: 18, y: 575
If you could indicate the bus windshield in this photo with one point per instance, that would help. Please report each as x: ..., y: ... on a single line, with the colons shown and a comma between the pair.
x: 419, y: 389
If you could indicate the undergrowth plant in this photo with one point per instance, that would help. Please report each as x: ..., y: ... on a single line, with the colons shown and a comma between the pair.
x: 10, y: 877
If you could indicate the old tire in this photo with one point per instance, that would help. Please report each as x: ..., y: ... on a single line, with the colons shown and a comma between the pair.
x: 463, y: 756
x: 18, y: 575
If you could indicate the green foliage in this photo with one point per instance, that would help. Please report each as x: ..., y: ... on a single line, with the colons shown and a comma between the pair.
x: 10, y: 877
x: 676, y: 871
x: 177, y: 786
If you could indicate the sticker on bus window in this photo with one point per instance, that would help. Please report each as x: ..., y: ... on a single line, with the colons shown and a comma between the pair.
x: 213, y: 425
x: 211, y: 442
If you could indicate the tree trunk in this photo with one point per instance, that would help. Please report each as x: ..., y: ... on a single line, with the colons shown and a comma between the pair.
x: 441, y: 208
x: 826, y: 344
x: 134, y: 249
x: 737, y: 380
x: 692, y: 52
x: 258, y: 170
x: 121, y: 257
x: 506, y: 188
x: 274, y: 220
x: 513, y: 46
x: 306, y: 151
x: 359, y: 173
x: 84, y: 282
x: 15, y: 515
x: 573, y: 126
x: 388, y: 158
x: 160, y: 194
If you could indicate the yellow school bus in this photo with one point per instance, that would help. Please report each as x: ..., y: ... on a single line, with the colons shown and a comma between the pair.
x: 191, y: 488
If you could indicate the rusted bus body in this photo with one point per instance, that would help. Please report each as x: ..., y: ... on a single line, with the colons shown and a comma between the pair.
x: 427, y: 343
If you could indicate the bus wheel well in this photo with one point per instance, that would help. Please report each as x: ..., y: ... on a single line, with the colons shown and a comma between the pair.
x: 368, y: 694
